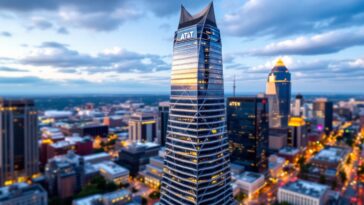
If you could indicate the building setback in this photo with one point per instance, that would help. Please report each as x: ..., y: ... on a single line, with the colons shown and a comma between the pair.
x: 197, y: 165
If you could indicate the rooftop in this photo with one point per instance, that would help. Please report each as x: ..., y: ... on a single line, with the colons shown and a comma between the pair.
x: 288, y: 151
x: 311, y: 189
x: 111, y: 168
x: 249, y: 176
x: 19, y: 190
x: 331, y: 154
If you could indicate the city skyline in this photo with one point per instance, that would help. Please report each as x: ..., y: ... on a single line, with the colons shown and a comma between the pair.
x: 71, y: 47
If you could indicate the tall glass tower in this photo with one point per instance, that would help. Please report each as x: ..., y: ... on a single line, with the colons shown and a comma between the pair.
x: 278, y: 91
x: 197, y: 169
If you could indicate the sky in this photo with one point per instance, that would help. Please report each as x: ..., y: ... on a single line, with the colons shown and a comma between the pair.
x: 125, y: 46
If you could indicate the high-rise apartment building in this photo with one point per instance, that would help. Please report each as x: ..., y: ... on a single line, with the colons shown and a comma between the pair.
x: 197, y: 165
x: 248, y: 130
x: 19, y: 141
x: 278, y: 91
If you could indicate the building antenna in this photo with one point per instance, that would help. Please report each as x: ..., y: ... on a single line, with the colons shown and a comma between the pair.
x: 234, y: 86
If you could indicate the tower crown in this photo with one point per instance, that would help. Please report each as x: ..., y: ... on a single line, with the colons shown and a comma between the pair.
x: 207, y: 14
x: 280, y: 63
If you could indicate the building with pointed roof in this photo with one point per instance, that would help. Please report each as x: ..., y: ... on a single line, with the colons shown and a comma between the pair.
x: 197, y: 164
x: 278, y: 91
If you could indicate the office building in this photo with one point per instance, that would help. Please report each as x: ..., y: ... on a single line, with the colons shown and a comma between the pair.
x: 152, y: 175
x: 303, y: 193
x: 113, y: 172
x: 19, y: 154
x: 142, y: 127
x: 278, y: 91
x: 23, y: 194
x: 119, y: 197
x: 297, y: 106
x: 163, y: 112
x: 323, y: 114
x: 197, y: 164
x: 250, y: 182
x: 297, y: 133
x: 248, y: 129
x: 136, y: 156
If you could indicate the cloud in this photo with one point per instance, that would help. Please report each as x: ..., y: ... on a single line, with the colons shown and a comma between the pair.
x: 21, y: 80
x: 305, y: 71
x: 285, y: 17
x: 40, y: 23
x: 330, y: 42
x: 5, y: 34
x: 9, y: 69
x: 63, y: 30
x: 58, y: 55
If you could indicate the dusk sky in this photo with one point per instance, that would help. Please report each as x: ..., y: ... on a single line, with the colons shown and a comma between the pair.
x: 125, y: 46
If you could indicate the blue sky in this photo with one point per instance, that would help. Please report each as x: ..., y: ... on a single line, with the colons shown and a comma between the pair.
x: 125, y: 46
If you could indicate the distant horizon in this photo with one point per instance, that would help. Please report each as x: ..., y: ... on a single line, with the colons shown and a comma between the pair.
x: 126, y: 46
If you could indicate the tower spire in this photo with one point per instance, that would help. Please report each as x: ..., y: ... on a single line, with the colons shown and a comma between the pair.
x: 234, y: 86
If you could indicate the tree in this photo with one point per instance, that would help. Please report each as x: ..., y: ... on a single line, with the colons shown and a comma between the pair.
x: 322, y: 179
x: 144, y: 201
x: 155, y: 195
x: 342, y: 175
x: 97, y: 185
x: 240, y: 196
x: 334, y: 184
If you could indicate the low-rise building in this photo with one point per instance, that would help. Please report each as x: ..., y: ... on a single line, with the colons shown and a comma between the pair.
x: 250, y: 182
x: 289, y: 153
x: 303, y: 192
x: 136, y: 156
x: 153, y: 173
x: 276, y: 165
x: 120, y: 197
x: 23, y: 194
x: 326, y: 165
x: 113, y: 172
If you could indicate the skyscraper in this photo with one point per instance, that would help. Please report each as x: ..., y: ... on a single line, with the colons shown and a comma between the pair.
x: 278, y: 91
x: 323, y: 114
x: 19, y: 141
x: 163, y: 112
x: 197, y: 169
x: 248, y: 129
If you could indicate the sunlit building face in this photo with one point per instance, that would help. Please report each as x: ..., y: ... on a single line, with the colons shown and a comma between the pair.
x: 197, y: 167
x: 279, y: 94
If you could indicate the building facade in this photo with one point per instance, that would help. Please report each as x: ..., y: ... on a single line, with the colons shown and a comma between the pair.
x: 248, y: 130
x: 163, y: 112
x: 19, y: 154
x: 197, y: 164
x: 142, y: 127
x: 278, y: 91
x: 323, y: 114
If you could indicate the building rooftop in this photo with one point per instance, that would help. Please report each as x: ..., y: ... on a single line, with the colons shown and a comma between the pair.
x: 111, y: 168
x: 19, y: 190
x: 331, y: 154
x: 288, y: 151
x: 139, y: 146
x: 249, y: 177
x: 307, y: 188
x: 96, y: 156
